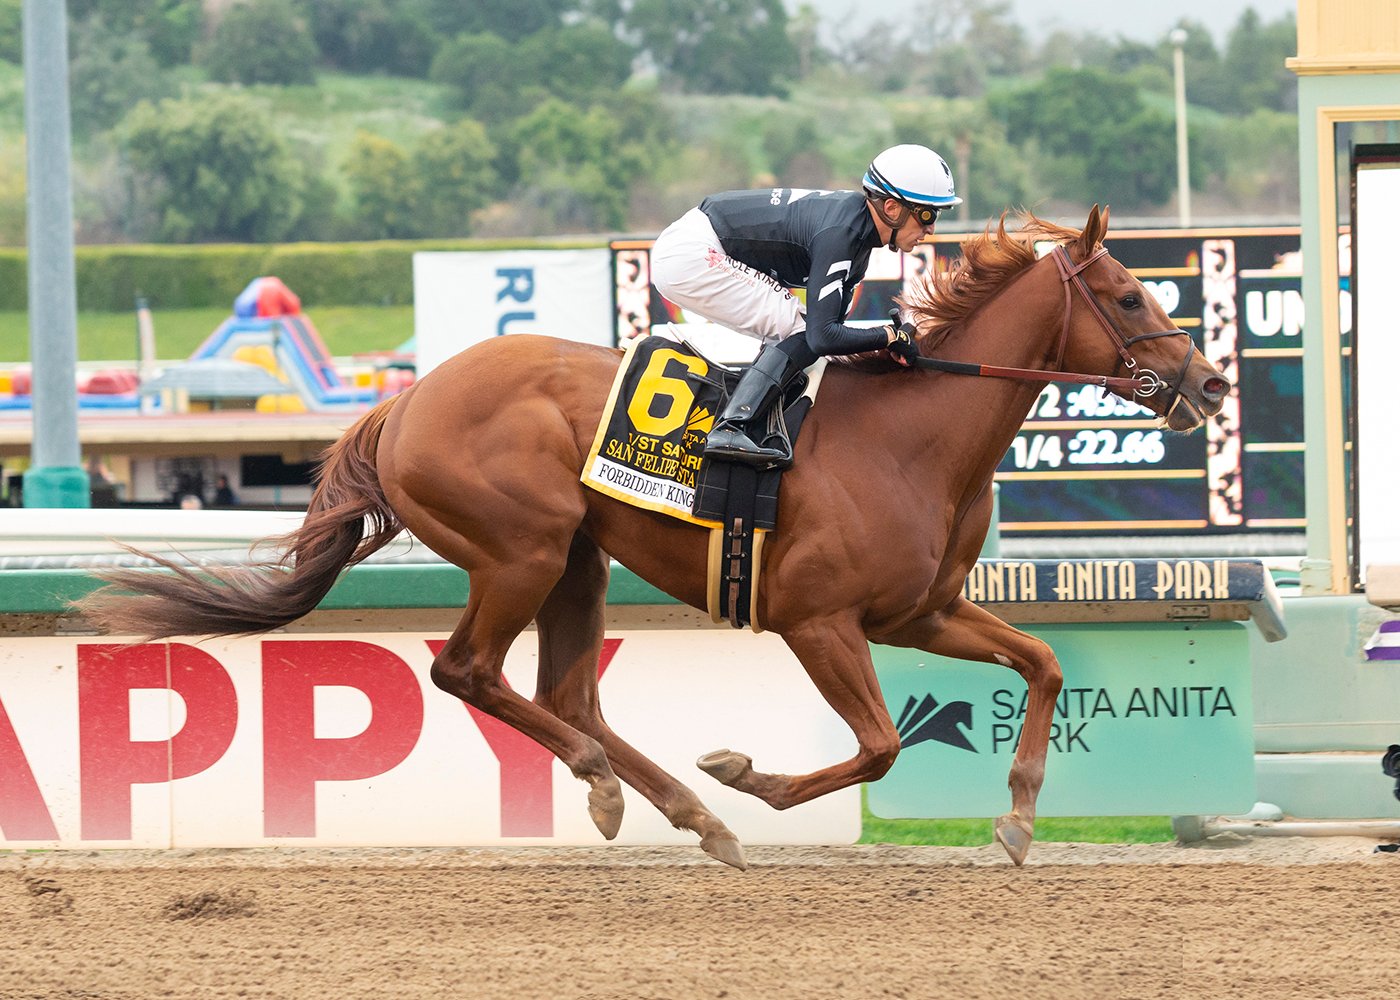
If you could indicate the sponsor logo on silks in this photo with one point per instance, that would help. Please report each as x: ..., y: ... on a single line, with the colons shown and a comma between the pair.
x: 700, y: 421
x: 923, y: 720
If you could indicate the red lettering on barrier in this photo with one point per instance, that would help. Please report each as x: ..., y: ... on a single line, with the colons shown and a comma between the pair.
x: 527, y: 779
x: 23, y: 813
x: 294, y: 759
x: 110, y: 761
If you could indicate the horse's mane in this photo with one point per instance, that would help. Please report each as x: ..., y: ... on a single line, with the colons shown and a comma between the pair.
x: 989, y: 260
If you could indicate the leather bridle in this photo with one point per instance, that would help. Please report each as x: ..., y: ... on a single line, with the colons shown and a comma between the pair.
x: 1148, y: 381
x: 1141, y: 383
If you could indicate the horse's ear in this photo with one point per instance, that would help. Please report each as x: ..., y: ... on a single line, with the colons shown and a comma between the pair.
x: 1093, y: 232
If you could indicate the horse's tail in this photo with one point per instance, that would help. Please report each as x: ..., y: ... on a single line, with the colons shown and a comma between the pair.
x: 347, y: 520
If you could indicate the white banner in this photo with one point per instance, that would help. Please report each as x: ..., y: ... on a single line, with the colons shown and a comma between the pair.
x: 463, y: 298
x: 1377, y: 357
x: 343, y: 740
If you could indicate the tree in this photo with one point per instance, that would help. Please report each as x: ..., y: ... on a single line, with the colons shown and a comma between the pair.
x: 11, y: 40
x: 262, y: 41
x: 383, y: 186
x: 511, y: 21
x: 169, y: 27
x: 578, y: 61
x: 489, y: 79
x: 369, y: 36
x: 1257, y: 160
x: 577, y: 165
x: 880, y: 55
x: 990, y: 173
x: 986, y: 29
x: 455, y: 177
x: 793, y: 146
x: 109, y: 73
x: 717, y: 46
x: 803, y: 29
x: 1083, y: 49
x: 214, y: 170
x: 1207, y: 81
x: 497, y: 80
x: 1254, y: 64
x: 947, y: 47
x: 1104, y: 144
x: 430, y: 191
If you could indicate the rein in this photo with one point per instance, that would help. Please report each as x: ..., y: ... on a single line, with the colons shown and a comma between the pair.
x: 1144, y: 383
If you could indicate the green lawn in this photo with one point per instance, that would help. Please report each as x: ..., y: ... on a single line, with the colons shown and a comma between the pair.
x: 346, y: 330
x: 977, y: 832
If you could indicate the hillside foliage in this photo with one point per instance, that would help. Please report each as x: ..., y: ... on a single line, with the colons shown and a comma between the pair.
x: 265, y: 120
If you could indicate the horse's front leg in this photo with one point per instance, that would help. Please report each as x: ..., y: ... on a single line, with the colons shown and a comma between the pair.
x: 836, y: 656
x: 966, y: 632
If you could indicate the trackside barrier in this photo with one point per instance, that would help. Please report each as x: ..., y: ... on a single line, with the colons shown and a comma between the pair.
x: 332, y: 733
x: 1156, y: 712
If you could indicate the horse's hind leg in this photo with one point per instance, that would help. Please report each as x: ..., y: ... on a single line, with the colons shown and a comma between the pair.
x: 502, y: 601
x: 571, y: 638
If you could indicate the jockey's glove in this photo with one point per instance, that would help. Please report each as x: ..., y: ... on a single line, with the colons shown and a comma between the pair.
x: 901, y: 345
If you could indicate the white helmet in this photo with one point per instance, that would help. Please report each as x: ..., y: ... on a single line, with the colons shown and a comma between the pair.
x: 914, y: 175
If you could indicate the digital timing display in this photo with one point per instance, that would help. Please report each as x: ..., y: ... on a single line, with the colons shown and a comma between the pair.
x: 1089, y: 462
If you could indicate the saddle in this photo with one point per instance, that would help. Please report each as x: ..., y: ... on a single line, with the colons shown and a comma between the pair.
x: 648, y: 452
x: 744, y: 501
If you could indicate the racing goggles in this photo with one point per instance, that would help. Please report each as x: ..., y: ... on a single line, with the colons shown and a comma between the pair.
x: 925, y: 215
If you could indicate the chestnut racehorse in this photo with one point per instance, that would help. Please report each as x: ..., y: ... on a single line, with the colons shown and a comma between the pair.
x: 880, y: 519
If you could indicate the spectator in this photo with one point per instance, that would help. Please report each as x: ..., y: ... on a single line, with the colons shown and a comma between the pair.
x: 191, y: 502
x: 223, y: 493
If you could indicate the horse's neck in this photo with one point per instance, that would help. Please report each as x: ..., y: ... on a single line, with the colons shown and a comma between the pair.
x: 1018, y: 328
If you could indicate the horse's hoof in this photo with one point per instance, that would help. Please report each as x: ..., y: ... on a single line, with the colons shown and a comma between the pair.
x: 725, y: 847
x: 605, y: 806
x: 725, y: 766
x: 1014, y: 834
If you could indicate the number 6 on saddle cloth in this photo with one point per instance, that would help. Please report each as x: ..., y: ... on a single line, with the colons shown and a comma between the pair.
x: 648, y: 453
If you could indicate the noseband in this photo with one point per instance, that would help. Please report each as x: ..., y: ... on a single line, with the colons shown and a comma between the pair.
x: 1143, y: 382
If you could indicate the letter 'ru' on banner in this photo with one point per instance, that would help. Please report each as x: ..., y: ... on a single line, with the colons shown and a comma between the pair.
x: 1385, y: 643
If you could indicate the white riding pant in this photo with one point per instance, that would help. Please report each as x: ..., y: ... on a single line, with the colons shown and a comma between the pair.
x: 690, y: 268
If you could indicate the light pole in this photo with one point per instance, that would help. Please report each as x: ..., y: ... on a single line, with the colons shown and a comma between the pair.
x: 1183, y: 170
x: 56, y: 477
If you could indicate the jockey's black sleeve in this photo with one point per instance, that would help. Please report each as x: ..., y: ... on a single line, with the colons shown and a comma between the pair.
x: 820, y: 240
x: 838, y: 265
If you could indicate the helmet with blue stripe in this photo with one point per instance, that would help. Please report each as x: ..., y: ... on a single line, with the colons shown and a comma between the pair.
x: 915, y: 176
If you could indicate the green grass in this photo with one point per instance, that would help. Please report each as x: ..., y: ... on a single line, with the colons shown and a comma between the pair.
x: 11, y: 101
x: 977, y: 832
x: 322, y: 119
x: 346, y: 330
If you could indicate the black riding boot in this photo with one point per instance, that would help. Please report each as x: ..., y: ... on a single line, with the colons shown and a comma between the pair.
x: 744, y: 415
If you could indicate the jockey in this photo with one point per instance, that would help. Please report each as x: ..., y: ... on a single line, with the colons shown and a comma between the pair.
x: 734, y: 259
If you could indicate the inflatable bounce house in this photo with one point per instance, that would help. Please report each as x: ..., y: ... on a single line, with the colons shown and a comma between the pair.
x: 269, y: 329
x: 111, y: 390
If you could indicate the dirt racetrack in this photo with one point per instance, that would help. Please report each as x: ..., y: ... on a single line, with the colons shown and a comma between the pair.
x: 1275, y: 918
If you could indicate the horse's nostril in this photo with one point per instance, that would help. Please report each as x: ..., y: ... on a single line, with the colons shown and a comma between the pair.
x: 1215, y: 387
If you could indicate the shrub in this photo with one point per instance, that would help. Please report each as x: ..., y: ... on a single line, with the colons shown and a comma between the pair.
x: 109, y: 278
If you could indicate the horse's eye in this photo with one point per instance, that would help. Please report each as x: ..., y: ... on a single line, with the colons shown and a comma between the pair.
x: 1130, y: 301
